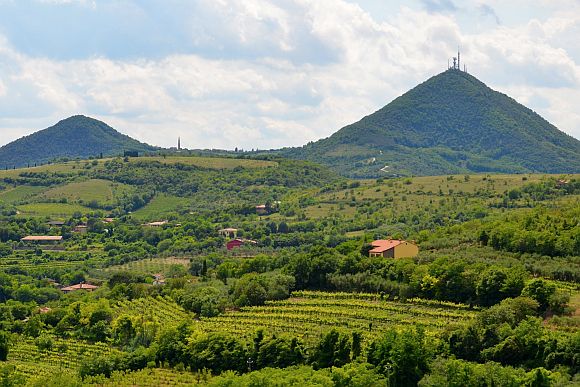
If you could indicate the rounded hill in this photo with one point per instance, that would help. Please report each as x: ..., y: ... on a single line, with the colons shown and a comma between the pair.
x: 75, y: 137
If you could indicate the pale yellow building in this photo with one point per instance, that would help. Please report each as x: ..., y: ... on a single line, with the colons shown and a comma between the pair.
x: 393, y: 248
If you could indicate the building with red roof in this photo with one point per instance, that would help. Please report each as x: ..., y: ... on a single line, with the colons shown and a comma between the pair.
x: 393, y: 248
x: 234, y: 243
x: 81, y: 286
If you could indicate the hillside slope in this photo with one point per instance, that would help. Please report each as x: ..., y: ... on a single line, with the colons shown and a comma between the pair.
x: 76, y: 136
x: 452, y: 123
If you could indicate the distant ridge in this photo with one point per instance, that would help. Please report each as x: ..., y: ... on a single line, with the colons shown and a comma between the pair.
x: 451, y: 123
x: 75, y: 137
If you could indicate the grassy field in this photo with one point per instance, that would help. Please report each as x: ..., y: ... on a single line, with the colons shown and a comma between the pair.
x: 51, y: 210
x: 102, y: 191
x: 69, y: 166
x: 150, y: 265
x: 160, y: 206
x: 419, y: 193
x: 210, y: 162
x: 20, y: 193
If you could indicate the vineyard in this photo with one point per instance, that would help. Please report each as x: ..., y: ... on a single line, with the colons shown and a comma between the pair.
x: 149, y: 378
x: 150, y: 265
x: 309, y: 313
x: 65, y: 355
x: 160, y: 310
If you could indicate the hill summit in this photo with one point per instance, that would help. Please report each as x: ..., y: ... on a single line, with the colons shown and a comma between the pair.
x: 451, y: 123
x: 76, y: 136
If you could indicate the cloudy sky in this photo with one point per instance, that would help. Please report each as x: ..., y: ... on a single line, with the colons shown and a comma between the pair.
x: 270, y: 73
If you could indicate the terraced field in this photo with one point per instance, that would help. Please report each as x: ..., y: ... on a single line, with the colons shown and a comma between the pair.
x: 66, y: 355
x: 163, y: 311
x: 308, y: 314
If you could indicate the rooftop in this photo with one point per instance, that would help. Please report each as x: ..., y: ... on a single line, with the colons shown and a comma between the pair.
x: 382, y: 245
x: 80, y: 286
x: 42, y: 238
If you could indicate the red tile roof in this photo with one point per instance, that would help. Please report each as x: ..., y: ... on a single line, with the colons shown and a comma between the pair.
x: 383, y: 245
x: 79, y: 287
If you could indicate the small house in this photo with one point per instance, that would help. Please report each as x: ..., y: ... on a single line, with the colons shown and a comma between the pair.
x: 81, y: 286
x: 156, y: 224
x: 158, y: 279
x: 56, y: 223
x: 80, y: 229
x: 228, y: 232
x: 261, y: 209
x: 393, y: 248
x: 236, y: 243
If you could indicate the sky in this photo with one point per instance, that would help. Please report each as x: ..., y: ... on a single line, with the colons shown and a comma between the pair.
x: 263, y: 74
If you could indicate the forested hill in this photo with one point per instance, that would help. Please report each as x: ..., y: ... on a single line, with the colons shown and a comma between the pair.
x: 452, y: 123
x: 76, y: 136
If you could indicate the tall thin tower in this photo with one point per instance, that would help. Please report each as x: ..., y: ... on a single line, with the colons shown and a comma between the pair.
x: 458, y: 59
x: 178, y: 143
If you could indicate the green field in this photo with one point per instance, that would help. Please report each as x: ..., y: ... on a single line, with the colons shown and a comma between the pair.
x: 150, y: 265
x: 419, y: 193
x: 210, y: 162
x: 69, y: 166
x: 160, y: 206
x: 52, y: 210
x: 101, y: 191
x: 20, y: 193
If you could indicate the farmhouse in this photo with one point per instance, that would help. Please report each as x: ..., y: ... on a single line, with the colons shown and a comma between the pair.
x: 80, y: 286
x: 393, y: 248
x: 234, y: 243
x: 261, y: 209
x: 228, y: 232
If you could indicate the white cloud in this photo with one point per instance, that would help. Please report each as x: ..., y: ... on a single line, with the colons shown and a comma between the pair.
x: 287, y: 72
x: 3, y: 89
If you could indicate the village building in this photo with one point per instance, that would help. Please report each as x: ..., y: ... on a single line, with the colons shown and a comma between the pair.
x: 261, y: 209
x: 158, y: 279
x: 236, y: 243
x: 156, y: 224
x: 228, y: 232
x: 42, y: 239
x: 393, y: 248
x: 56, y: 223
x: 108, y: 220
x: 81, y: 286
x: 80, y: 229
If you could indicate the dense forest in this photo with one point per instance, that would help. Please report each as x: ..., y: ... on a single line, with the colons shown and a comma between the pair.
x: 491, y: 298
